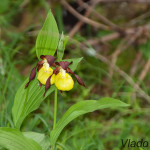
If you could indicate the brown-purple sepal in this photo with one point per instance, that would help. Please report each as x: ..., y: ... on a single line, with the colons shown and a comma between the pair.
x: 32, y: 76
x: 50, y: 59
x: 63, y: 64
x: 47, y: 85
x: 79, y: 80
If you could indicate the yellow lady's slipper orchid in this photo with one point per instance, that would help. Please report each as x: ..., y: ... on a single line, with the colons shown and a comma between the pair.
x: 63, y: 81
x: 44, y: 73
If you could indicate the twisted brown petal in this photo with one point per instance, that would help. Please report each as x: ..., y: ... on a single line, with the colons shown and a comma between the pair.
x: 56, y: 71
x: 32, y: 76
x: 40, y: 62
x: 63, y: 64
x: 70, y: 71
x: 47, y: 85
x: 39, y: 67
x: 79, y: 80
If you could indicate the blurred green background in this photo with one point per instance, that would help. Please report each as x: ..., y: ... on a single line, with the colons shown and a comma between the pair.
x: 20, y: 22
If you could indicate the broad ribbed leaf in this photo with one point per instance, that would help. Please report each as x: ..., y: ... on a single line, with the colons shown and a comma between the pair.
x: 81, y: 108
x: 61, y: 46
x: 28, y: 100
x: 13, y: 139
x: 48, y: 37
x: 41, y: 139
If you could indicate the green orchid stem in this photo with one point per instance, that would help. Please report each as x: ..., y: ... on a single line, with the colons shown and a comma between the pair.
x: 55, y: 109
x: 55, y: 112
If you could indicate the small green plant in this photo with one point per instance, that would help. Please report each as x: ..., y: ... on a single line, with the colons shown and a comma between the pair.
x: 54, y: 73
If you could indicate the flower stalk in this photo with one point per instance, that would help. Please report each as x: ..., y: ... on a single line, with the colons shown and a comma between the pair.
x: 55, y: 109
x: 55, y: 112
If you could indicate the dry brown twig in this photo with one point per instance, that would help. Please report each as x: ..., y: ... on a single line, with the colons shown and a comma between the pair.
x: 135, y: 63
x: 111, y: 26
x: 144, y: 71
x: 113, y: 36
x: 106, y: 38
x: 83, y: 18
x: 101, y: 17
x: 80, y: 23
x: 138, y: 19
x: 120, y: 48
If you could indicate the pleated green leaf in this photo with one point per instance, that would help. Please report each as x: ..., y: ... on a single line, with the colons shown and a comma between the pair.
x: 13, y: 139
x: 61, y: 46
x: 81, y: 108
x: 48, y: 37
x: 29, y: 99
x: 41, y: 139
